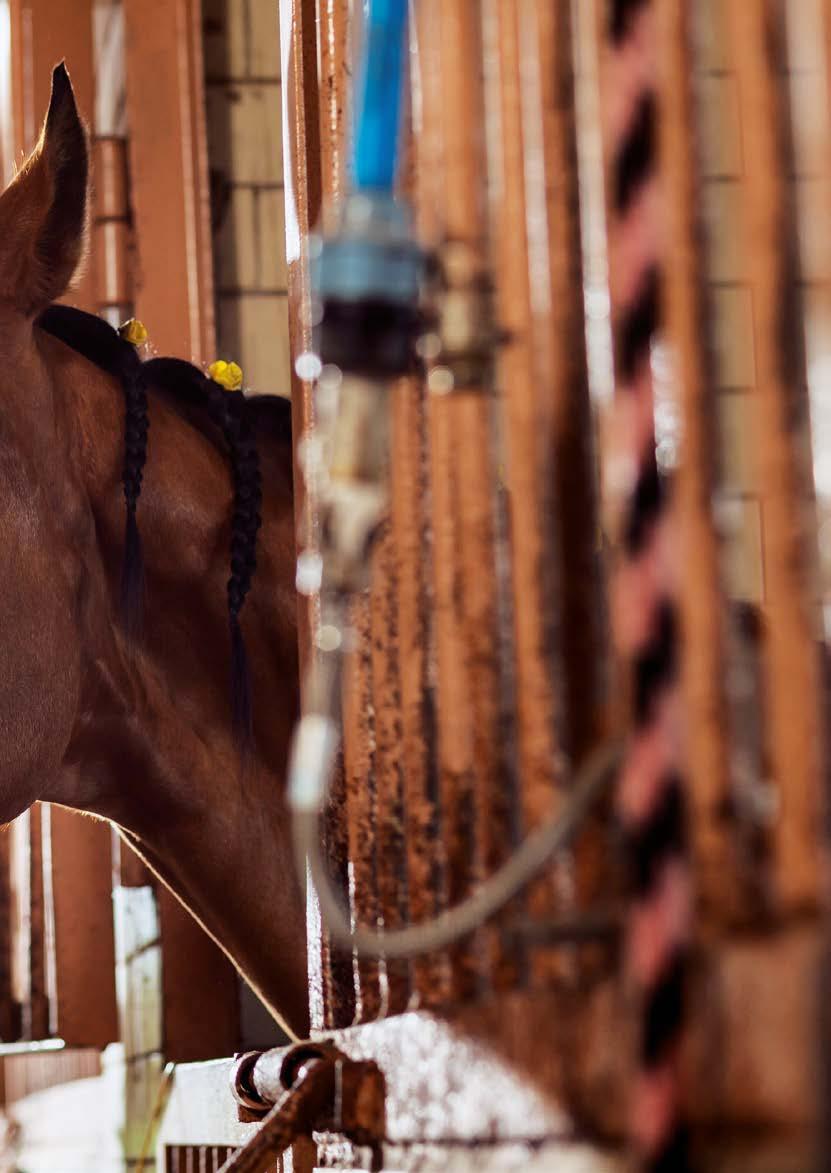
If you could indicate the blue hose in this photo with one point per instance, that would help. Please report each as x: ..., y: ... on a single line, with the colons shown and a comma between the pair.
x: 378, y: 125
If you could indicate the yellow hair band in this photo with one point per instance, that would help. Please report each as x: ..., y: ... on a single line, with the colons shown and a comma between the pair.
x: 227, y: 374
x: 133, y: 331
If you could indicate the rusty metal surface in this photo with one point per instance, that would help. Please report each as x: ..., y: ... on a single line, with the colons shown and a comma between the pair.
x: 756, y: 50
x: 701, y: 598
x: 35, y: 992
x: 360, y: 800
x: 451, y: 1100
x: 451, y: 670
x: 293, y: 1114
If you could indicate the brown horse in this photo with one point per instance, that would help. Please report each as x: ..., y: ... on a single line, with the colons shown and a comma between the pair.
x: 139, y: 731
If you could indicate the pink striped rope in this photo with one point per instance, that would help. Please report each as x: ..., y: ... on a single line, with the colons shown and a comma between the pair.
x: 650, y: 795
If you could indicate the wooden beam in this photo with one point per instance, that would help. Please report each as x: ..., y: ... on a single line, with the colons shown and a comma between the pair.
x: 200, y: 992
x: 170, y: 195
x: 9, y: 1015
x: 81, y: 857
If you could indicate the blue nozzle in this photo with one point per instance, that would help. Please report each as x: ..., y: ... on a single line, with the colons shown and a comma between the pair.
x: 379, y: 113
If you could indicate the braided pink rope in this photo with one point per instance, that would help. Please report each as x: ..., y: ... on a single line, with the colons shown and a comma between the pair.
x: 651, y: 800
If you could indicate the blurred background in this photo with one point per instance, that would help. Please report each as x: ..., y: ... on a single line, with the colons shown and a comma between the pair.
x: 103, y: 978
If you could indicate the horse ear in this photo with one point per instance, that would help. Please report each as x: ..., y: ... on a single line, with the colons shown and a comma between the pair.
x: 43, y: 211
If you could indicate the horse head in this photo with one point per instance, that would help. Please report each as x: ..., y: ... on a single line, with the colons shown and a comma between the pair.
x: 137, y: 728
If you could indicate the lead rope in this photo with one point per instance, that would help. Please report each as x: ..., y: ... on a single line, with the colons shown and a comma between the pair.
x: 650, y: 792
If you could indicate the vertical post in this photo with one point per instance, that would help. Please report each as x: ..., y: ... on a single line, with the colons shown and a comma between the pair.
x: 9, y: 1013
x: 547, y: 423
x: 333, y: 37
x: 199, y: 991
x: 473, y: 787
x: 701, y: 601
x: 361, y: 792
x: 166, y: 116
x: 81, y: 888
x: 165, y: 91
x: 790, y: 648
x: 36, y: 1009
x: 527, y: 405
x: 301, y: 177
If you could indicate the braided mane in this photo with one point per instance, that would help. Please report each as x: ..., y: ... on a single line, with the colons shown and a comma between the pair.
x: 232, y: 415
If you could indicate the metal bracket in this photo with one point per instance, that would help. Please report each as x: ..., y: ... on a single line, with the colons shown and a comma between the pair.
x: 310, y: 1088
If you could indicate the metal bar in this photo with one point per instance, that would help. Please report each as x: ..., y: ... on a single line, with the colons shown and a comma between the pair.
x: 412, y: 513
x: 558, y: 331
x: 295, y: 1112
x: 470, y: 769
x: 333, y: 33
x: 529, y: 412
x: 702, y: 604
x: 410, y: 533
x: 790, y: 648
x: 390, y: 848
x: 360, y: 778
x: 302, y: 178
x: 333, y: 27
x: 545, y: 416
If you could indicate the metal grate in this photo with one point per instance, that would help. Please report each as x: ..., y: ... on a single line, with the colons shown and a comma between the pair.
x: 191, y: 1158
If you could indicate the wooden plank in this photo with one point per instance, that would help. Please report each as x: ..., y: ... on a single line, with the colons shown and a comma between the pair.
x: 86, y: 1010
x: 129, y: 869
x: 9, y: 1010
x: 168, y: 165
x: 200, y: 996
x: 791, y: 668
x: 37, y: 1017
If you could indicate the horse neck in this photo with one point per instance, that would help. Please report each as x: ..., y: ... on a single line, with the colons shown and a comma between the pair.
x: 153, y: 749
